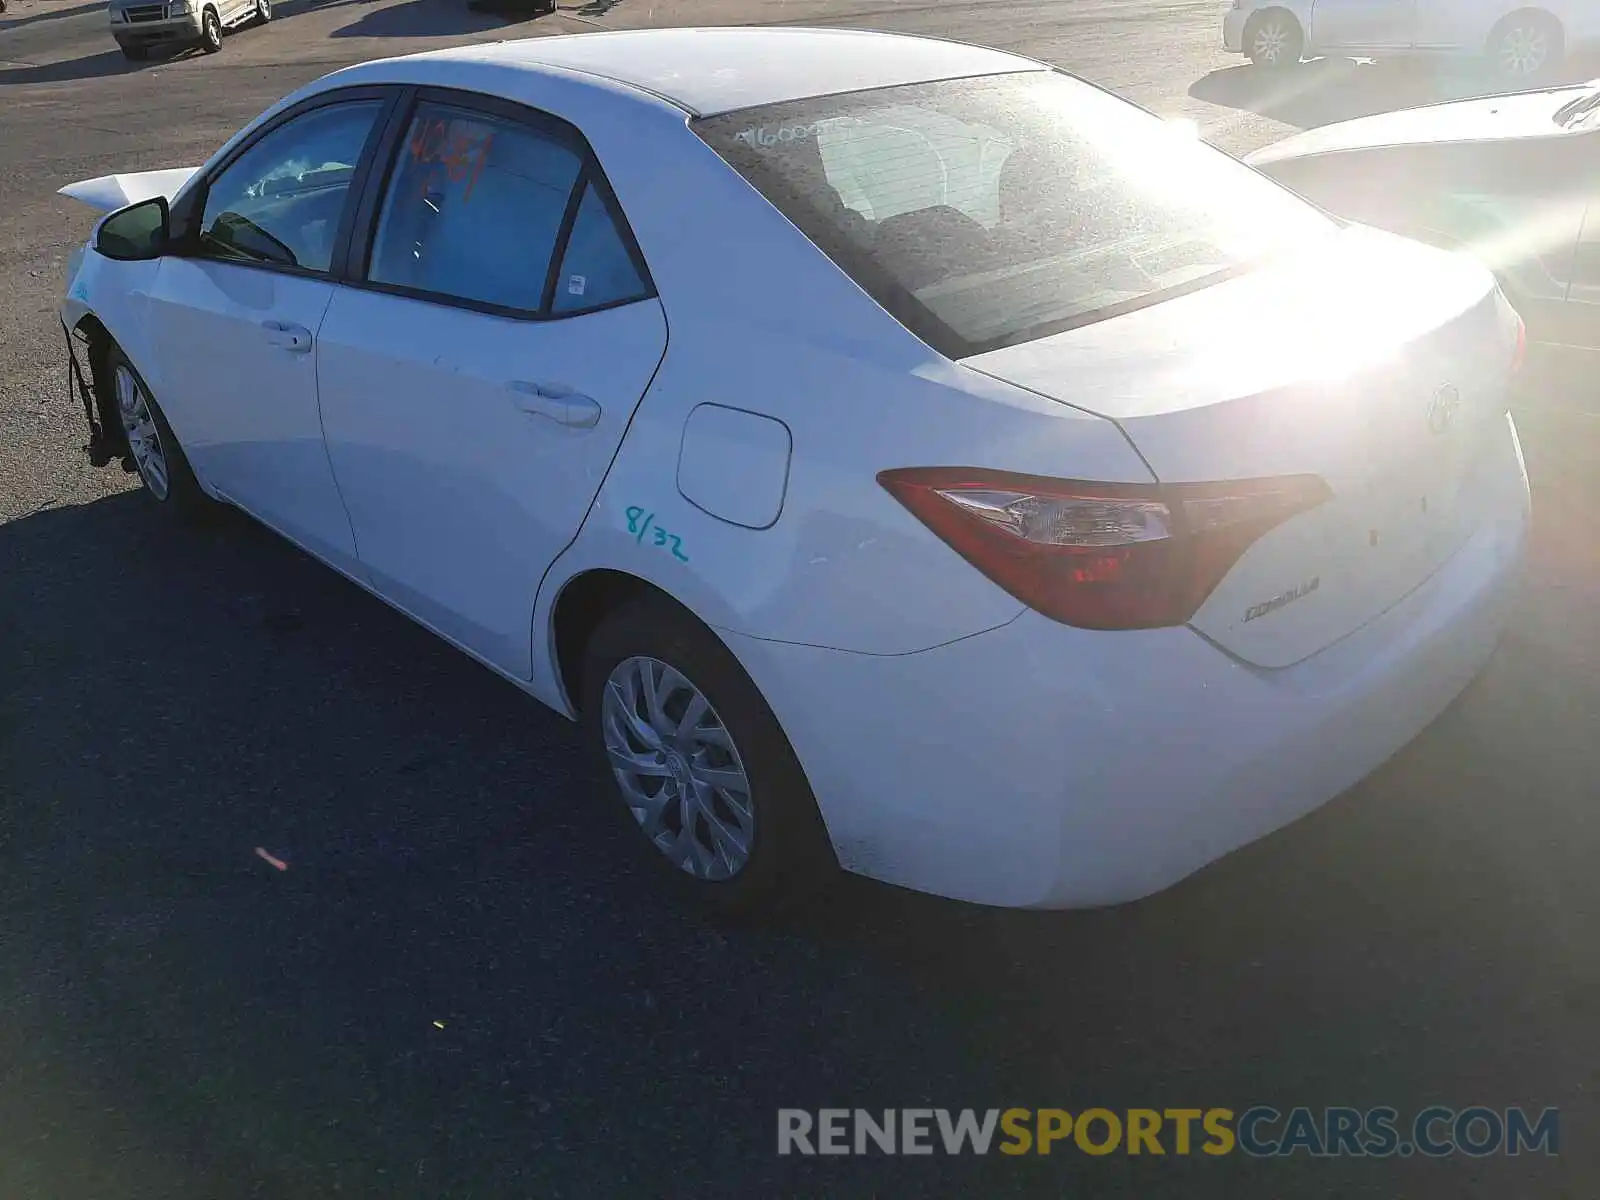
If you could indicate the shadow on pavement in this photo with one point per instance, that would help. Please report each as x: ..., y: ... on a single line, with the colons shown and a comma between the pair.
x: 92, y: 66
x: 1326, y: 90
x: 9, y: 22
x: 459, y: 986
x: 433, y: 18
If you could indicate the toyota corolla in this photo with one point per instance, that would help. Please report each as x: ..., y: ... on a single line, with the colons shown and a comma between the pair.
x: 899, y: 455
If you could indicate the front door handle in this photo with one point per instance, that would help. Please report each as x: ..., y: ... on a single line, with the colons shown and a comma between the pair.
x: 559, y: 404
x: 295, y: 338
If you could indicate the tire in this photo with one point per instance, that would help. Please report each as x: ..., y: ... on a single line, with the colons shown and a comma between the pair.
x: 757, y: 867
x: 133, y: 53
x: 1525, y: 45
x: 153, y: 449
x: 263, y: 11
x: 1274, y: 39
x: 210, y: 31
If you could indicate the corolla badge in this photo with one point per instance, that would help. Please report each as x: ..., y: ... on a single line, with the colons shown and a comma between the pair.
x: 1256, y: 611
x: 1443, y: 407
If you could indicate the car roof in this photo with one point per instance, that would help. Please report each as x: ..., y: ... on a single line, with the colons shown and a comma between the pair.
x: 716, y: 70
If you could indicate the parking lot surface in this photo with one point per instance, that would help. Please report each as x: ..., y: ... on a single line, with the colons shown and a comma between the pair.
x: 458, y: 989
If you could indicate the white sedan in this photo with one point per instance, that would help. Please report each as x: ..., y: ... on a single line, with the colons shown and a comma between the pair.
x: 899, y: 455
x: 1519, y: 39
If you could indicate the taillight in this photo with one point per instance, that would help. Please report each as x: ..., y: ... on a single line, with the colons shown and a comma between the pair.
x: 1100, y: 555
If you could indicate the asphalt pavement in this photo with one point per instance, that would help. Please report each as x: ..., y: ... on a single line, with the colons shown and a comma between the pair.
x: 458, y: 989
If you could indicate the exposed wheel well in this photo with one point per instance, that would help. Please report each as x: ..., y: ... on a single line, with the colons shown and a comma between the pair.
x: 583, y: 603
x: 100, y: 344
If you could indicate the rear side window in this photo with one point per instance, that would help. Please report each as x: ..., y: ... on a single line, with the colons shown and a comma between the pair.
x: 987, y: 212
x: 598, y: 269
x: 474, y: 209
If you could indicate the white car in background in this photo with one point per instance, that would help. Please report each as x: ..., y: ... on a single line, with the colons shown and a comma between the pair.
x: 1519, y: 40
x: 898, y: 454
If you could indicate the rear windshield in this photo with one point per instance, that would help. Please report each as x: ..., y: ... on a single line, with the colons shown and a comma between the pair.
x: 986, y: 212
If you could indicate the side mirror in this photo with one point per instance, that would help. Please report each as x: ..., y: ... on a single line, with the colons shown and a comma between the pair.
x: 137, y: 233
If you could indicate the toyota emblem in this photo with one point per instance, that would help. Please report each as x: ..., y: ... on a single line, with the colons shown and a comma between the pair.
x: 1442, y: 410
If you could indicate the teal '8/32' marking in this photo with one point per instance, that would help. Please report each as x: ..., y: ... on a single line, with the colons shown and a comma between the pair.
x: 641, y: 522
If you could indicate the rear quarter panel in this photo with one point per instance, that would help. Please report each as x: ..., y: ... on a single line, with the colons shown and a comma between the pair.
x: 762, y: 321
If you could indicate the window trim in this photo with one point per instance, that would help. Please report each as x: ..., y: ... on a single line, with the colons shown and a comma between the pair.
x: 189, y: 210
x: 364, y: 228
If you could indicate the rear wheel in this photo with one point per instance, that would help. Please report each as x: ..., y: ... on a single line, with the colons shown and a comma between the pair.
x: 153, y: 449
x: 210, y: 31
x: 719, y: 808
x: 1274, y: 39
x: 263, y: 11
x: 1525, y: 44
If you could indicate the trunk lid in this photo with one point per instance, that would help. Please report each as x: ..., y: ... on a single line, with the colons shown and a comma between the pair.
x: 1486, y: 118
x: 1380, y: 365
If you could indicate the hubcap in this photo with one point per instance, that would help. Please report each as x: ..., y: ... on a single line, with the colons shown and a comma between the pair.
x: 144, y: 439
x: 1272, y: 38
x: 679, y: 771
x: 1523, y: 50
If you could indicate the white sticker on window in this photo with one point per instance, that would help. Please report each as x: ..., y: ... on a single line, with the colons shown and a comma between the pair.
x: 576, y: 285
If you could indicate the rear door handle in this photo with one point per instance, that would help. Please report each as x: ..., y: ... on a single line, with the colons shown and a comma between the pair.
x: 559, y: 404
x: 296, y: 338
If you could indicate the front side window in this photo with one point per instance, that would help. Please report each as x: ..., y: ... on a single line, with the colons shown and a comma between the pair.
x: 281, y: 201
x: 474, y: 210
x: 986, y: 212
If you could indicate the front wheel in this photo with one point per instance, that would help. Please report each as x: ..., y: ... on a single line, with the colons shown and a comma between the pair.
x: 720, y: 808
x: 210, y: 32
x: 132, y: 52
x: 263, y: 11
x: 153, y: 449
x: 1274, y: 39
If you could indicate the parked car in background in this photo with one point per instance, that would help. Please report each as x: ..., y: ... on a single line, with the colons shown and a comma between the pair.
x: 1520, y: 40
x: 141, y: 26
x: 1031, y: 503
x: 1513, y: 179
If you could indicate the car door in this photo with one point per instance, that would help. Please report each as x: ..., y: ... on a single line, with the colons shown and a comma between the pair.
x: 236, y: 314
x: 1360, y: 25
x: 478, y: 374
x: 1457, y: 24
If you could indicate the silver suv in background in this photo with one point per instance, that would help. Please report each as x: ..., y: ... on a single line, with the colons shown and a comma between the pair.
x: 141, y: 25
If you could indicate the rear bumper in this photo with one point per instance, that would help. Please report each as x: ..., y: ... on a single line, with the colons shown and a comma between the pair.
x: 1233, y: 30
x: 1040, y: 766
